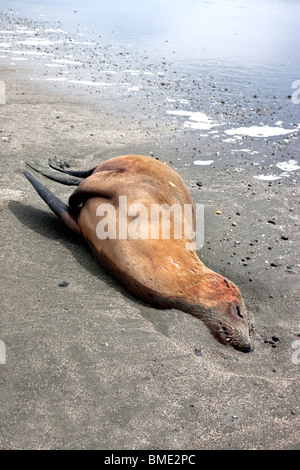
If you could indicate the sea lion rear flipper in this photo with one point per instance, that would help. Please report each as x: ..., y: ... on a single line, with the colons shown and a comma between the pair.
x: 52, y: 176
x: 63, y: 167
x: 56, y: 205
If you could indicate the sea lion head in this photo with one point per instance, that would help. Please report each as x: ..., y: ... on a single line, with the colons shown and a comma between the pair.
x: 224, y: 312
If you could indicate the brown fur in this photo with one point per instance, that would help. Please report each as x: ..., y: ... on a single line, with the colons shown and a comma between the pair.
x: 161, y: 272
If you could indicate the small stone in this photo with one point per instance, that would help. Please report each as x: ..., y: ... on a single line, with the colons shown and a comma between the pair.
x: 63, y: 284
x: 272, y: 222
x: 219, y: 212
x: 199, y: 184
x: 234, y: 224
x: 198, y: 352
x: 275, y: 338
x: 284, y: 237
x: 274, y: 265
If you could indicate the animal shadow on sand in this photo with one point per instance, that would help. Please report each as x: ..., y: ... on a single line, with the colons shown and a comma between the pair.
x: 47, y: 225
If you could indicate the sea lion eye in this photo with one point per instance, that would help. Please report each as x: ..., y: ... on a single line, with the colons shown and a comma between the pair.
x: 238, y: 311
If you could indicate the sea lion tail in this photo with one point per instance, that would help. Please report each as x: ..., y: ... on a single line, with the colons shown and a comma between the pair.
x: 59, y: 208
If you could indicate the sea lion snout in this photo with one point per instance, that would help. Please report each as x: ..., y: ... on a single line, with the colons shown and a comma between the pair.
x: 232, y: 331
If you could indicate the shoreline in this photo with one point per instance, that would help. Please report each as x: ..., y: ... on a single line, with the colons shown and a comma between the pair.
x: 89, y: 365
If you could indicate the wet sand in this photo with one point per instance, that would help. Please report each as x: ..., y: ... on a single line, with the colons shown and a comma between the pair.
x: 88, y: 366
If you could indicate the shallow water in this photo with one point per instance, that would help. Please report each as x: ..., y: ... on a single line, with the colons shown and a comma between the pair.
x: 218, y: 69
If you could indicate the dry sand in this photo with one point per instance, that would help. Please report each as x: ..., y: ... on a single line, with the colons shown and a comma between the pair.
x: 88, y: 366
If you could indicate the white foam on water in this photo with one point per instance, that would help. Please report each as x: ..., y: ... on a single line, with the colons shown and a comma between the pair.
x: 267, y: 177
x: 18, y: 31
x: 50, y: 30
x: 89, y: 83
x: 5, y: 44
x: 197, y: 125
x: 230, y: 139
x: 110, y: 72
x: 203, y: 162
x: 133, y: 72
x: 33, y: 53
x: 38, y: 42
x: 252, y: 152
x: 178, y: 112
x: 55, y: 79
x: 259, y: 131
x: 55, y: 65
x: 291, y: 165
x: 66, y: 61
x: 196, y: 120
x: 134, y: 88
x: 85, y: 43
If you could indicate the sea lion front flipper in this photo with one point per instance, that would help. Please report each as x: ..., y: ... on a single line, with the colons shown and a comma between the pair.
x: 56, y: 205
x: 104, y: 184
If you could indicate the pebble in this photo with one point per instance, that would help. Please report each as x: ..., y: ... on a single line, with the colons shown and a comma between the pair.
x: 63, y: 284
x: 219, y: 212
x: 274, y: 265
x: 198, y: 352
x: 284, y: 237
x: 275, y: 338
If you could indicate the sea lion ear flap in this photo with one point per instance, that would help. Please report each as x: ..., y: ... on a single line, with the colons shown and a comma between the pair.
x: 93, y: 186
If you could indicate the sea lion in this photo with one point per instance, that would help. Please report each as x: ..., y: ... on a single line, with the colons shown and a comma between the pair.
x: 166, y: 273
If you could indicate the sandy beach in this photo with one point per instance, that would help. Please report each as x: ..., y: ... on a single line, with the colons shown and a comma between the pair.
x: 88, y: 366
